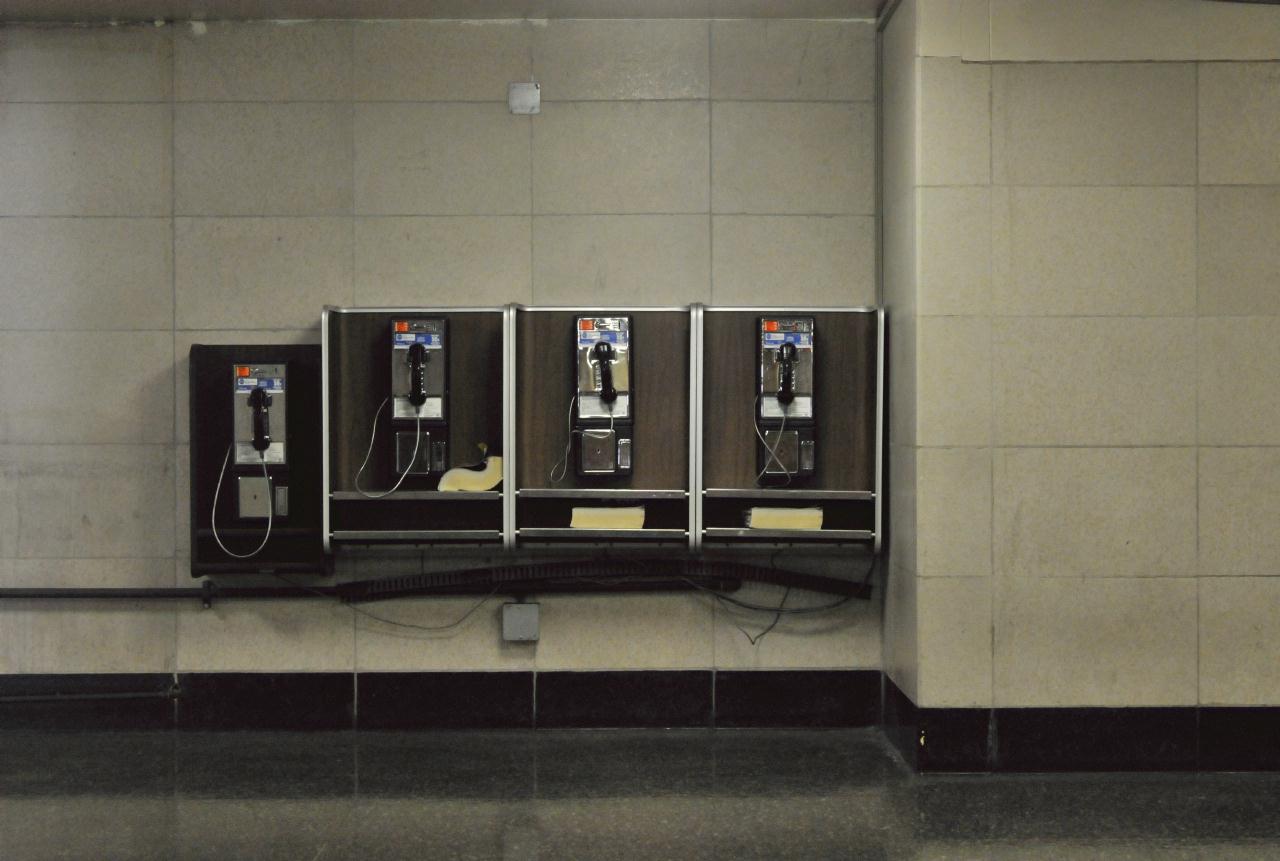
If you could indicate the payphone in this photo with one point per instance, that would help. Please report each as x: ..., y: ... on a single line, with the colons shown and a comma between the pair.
x: 258, y: 400
x: 419, y: 401
x: 784, y: 400
x: 256, y: 459
x: 419, y: 379
x: 605, y: 406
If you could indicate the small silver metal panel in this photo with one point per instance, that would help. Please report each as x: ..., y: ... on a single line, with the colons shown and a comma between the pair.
x: 431, y: 457
x: 592, y: 407
x: 282, y: 501
x: 245, y: 378
x: 253, y: 498
x: 430, y: 333
x: 616, y: 332
x: 786, y: 451
x: 247, y: 455
x: 800, y: 408
x: 774, y: 333
x: 598, y: 452
x: 432, y: 408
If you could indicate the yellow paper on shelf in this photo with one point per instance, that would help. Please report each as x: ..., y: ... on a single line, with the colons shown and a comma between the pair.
x: 784, y: 518
x: 465, y: 478
x: 608, y: 518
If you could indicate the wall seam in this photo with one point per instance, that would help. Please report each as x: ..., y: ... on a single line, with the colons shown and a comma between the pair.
x: 351, y: 160
x: 173, y: 331
x: 711, y: 209
x: 351, y: 293
x: 992, y: 741
x: 1195, y: 353
x: 533, y: 297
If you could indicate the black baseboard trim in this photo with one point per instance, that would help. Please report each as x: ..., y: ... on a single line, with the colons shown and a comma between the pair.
x: 629, y: 698
x: 443, y: 700
x: 1178, y: 738
x: 457, y: 700
x: 75, y: 701
x: 1207, y: 738
x: 266, y: 701
x: 789, y: 698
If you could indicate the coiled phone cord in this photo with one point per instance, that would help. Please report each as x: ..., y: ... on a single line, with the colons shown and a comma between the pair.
x: 562, y: 465
x: 773, y: 452
x: 373, y: 433
x: 271, y: 508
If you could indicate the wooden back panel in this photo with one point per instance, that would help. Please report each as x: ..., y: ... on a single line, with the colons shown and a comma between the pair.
x: 844, y: 399
x: 660, y: 383
x: 360, y: 355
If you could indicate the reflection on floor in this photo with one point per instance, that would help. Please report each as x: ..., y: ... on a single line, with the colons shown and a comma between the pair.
x: 590, y: 795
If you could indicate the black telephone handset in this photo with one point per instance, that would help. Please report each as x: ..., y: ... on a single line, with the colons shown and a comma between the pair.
x: 417, y: 375
x: 787, y: 383
x: 603, y: 354
x: 259, y: 402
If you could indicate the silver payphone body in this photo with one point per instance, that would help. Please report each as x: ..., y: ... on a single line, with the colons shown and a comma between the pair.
x: 784, y: 399
x: 259, y: 417
x: 604, y: 411
x: 419, y: 395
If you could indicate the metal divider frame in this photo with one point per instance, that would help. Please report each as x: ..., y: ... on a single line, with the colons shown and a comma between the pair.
x: 324, y: 429
x: 509, y: 354
x: 695, y: 426
x: 879, y: 509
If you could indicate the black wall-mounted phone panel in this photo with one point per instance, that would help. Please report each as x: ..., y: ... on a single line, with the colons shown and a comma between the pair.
x: 226, y: 414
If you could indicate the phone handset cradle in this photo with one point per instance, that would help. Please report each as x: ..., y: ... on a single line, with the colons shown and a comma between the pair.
x: 260, y: 403
x: 603, y: 355
x: 787, y: 365
x: 417, y: 375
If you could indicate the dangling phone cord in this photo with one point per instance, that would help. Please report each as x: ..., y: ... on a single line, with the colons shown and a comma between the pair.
x: 271, y: 508
x: 773, y: 452
x: 562, y: 465
x: 373, y: 433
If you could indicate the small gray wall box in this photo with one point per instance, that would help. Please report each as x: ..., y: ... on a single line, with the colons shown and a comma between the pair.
x: 520, y: 623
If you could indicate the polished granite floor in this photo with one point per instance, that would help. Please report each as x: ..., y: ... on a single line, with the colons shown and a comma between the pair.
x: 591, y: 795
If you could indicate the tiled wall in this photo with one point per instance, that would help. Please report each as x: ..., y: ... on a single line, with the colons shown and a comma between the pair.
x: 1097, y: 366
x: 220, y: 183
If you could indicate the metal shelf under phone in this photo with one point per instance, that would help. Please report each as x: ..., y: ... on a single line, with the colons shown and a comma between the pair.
x: 598, y: 493
x: 722, y: 532
x: 417, y: 535
x: 784, y: 493
x: 637, y: 534
x: 419, y: 495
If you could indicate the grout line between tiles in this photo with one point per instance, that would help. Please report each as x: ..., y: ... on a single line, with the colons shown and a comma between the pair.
x: 434, y: 102
x: 532, y: 245
x: 1195, y: 353
x: 992, y: 746
x: 173, y: 299
x: 444, y: 215
x: 711, y: 209
x: 351, y: 165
